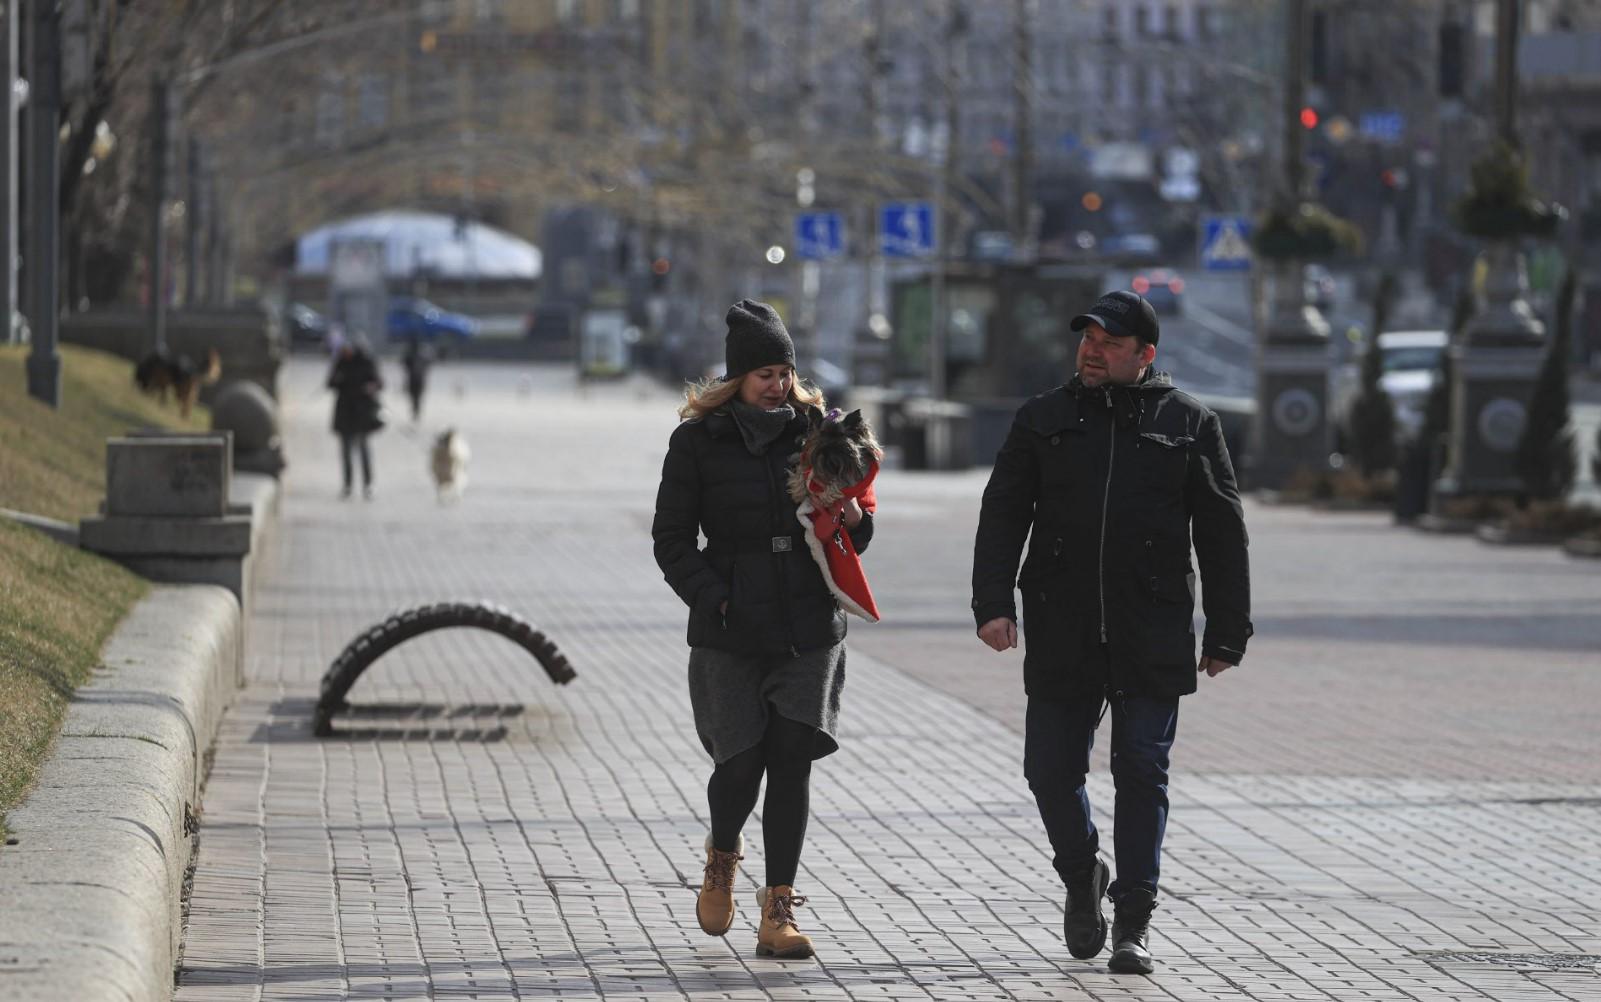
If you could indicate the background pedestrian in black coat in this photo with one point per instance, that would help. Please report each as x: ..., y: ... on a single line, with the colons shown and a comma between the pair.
x: 767, y: 651
x: 355, y: 381
x: 1106, y: 477
x: 416, y: 361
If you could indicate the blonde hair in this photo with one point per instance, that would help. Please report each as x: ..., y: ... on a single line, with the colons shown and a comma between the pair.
x: 707, y: 395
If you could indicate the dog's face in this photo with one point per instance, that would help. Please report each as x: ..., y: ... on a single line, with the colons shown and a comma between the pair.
x: 839, y: 450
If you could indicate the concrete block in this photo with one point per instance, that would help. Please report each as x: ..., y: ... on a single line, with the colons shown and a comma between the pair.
x: 247, y: 410
x: 123, y: 536
x: 151, y: 475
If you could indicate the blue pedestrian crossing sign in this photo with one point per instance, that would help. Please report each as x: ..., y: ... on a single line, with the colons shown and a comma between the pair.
x: 1226, y: 243
x: 819, y: 236
x: 906, y: 229
x: 1383, y: 126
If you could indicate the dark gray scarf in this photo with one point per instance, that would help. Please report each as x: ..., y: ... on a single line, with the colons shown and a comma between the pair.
x: 757, y: 427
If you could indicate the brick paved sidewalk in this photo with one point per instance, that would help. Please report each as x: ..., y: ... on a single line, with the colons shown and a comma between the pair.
x: 477, y: 832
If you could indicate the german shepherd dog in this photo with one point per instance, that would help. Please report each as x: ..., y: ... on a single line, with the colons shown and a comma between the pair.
x: 161, y: 371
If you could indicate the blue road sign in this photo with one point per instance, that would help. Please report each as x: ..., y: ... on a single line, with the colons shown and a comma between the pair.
x: 1383, y: 126
x: 819, y: 236
x: 1226, y: 243
x: 906, y: 229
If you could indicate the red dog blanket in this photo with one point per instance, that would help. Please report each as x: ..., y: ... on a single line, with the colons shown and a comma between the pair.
x: 831, y: 545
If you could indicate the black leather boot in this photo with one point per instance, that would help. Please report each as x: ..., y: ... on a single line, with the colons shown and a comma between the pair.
x: 1084, y: 927
x: 1131, y: 930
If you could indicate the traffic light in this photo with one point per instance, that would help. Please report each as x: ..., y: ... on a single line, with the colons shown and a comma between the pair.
x: 1309, y: 117
x: 1451, y: 59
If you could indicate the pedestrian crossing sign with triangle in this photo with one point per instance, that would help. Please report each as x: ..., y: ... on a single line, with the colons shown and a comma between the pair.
x: 1226, y: 243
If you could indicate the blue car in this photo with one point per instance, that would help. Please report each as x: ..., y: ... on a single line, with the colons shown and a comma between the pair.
x: 410, y: 318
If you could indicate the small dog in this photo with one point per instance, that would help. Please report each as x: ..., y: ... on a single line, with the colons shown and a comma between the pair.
x: 838, y: 461
x: 161, y: 371
x: 448, y: 462
x: 838, y: 453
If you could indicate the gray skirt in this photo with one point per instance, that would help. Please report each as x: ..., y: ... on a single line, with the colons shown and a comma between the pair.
x: 732, y: 695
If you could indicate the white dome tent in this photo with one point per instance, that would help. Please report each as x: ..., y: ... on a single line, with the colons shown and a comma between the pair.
x: 428, y: 242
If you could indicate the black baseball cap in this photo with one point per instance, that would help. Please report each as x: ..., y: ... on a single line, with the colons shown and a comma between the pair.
x: 1122, y: 314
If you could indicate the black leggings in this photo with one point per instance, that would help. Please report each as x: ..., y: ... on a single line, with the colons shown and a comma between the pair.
x: 785, y: 755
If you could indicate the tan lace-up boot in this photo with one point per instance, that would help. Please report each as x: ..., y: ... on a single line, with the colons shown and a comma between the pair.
x: 715, y: 906
x: 779, y: 936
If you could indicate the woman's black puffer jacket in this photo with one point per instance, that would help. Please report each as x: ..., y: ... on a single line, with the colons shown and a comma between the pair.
x: 755, y: 556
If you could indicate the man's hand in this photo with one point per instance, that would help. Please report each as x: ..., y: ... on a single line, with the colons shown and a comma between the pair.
x: 1213, y: 667
x: 1000, y: 633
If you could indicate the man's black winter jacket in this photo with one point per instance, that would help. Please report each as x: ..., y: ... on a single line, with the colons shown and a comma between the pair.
x: 1110, y: 480
x: 755, y: 557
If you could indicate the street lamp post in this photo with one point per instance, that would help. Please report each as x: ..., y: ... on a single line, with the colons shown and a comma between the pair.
x: 1291, y: 429
x: 1506, y: 71
x: 1496, y: 361
x: 44, y: 218
x: 8, y: 166
x: 160, y: 147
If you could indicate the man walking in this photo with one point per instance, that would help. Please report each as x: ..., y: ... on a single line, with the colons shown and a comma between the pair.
x: 1106, y: 476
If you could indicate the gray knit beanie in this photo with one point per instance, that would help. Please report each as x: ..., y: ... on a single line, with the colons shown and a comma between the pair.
x: 756, y: 337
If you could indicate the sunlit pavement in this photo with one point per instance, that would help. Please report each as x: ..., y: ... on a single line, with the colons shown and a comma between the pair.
x: 1396, y: 796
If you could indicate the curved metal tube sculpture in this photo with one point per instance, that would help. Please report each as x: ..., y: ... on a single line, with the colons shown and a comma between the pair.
x: 402, y: 626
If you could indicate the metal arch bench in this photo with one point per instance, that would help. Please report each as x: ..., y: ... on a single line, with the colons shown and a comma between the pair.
x: 400, y: 627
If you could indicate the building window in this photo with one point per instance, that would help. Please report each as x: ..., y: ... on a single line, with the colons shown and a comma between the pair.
x: 489, y: 96
x: 487, y: 12
x: 570, y: 95
x: 566, y: 11
x: 1180, y: 81
x: 1109, y: 20
x: 433, y: 90
x: 1205, y: 23
x: 1142, y: 20
x: 627, y: 10
x: 330, y: 125
x: 372, y: 101
x: 1170, y: 22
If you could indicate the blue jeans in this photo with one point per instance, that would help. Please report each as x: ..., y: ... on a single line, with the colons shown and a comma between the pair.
x: 1056, y: 759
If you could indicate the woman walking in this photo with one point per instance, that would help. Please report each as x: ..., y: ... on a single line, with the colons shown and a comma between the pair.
x: 766, y: 636
x: 355, y: 382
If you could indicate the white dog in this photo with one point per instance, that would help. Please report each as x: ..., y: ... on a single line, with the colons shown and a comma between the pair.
x: 449, y: 464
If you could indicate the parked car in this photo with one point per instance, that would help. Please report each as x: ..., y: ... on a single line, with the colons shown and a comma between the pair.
x: 306, y: 326
x: 1161, y: 287
x: 411, y: 317
x: 1411, y: 363
x: 1132, y: 246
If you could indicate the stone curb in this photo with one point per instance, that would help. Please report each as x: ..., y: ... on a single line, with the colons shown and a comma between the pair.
x: 92, y: 887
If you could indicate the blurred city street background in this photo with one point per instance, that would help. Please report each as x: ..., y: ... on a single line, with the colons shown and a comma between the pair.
x: 1370, y: 230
